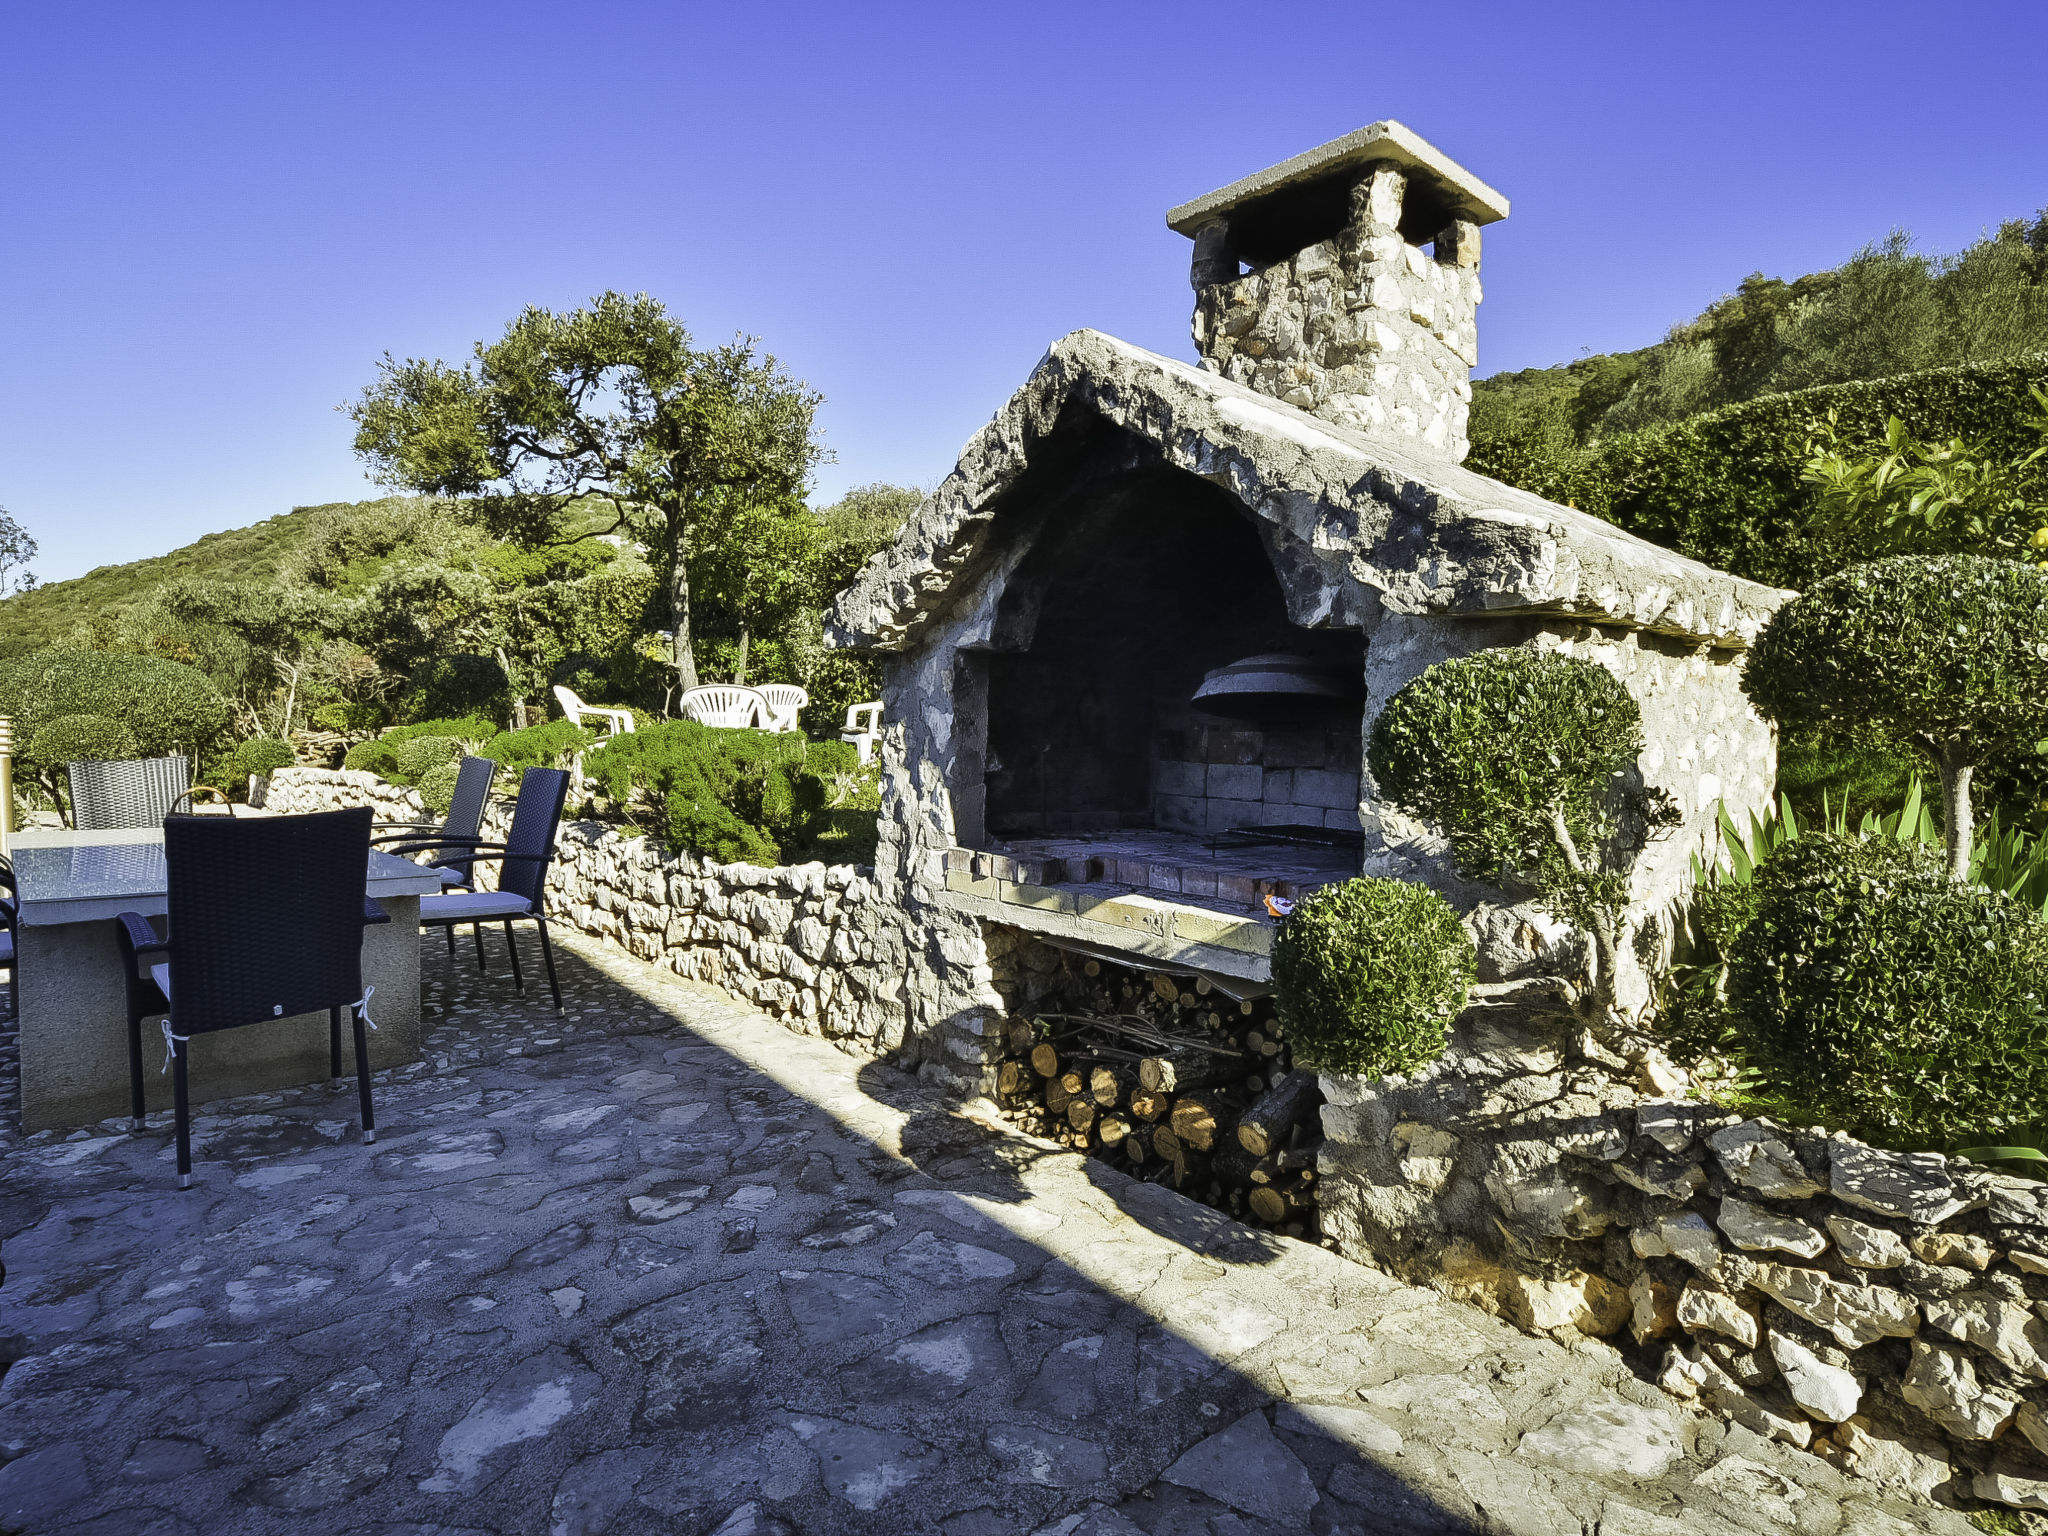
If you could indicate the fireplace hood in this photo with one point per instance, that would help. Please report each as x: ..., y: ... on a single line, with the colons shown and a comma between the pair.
x: 1278, y: 685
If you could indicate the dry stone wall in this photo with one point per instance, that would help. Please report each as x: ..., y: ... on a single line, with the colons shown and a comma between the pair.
x: 814, y: 944
x: 1885, y: 1310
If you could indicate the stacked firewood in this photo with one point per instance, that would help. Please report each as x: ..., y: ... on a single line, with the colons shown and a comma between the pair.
x: 1174, y: 1081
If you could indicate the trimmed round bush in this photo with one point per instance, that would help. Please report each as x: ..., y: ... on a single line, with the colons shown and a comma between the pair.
x: 1485, y: 745
x: 1885, y: 999
x: 437, y: 786
x: 1370, y: 974
x: 423, y: 754
x: 78, y: 739
x: 260, y: 754
x: 166, y: 705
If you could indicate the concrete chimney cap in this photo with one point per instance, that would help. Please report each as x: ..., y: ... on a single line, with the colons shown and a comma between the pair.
x: 1466, y: 195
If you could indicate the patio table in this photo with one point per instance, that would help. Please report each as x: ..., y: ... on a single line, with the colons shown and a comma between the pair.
x: 72, y: 1004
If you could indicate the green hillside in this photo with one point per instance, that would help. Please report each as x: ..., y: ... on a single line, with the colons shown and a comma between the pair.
x: 1888, y: 310
x: 251, y: 556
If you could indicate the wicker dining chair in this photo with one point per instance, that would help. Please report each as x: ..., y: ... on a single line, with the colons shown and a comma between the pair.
x: 10, y: 919
x: 265, y: 921
x: 523, y: 860
x: 130, y: 793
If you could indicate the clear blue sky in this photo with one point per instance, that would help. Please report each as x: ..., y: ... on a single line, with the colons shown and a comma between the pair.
x: 218, y: 216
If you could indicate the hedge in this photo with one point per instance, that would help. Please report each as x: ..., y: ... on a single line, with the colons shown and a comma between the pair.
x: 381, y: 756
x: 164, y: 705
x: 1879, y: 997
x: 1725, y: 488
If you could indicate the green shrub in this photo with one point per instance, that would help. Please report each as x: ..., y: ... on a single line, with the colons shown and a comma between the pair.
x: 420, y: 756
x: 260, y: 754
x: 538, y: 746
x: 1882, y: 998
x: 1370, y: 974
x: 349, y: 716
x: 1949, y: 652
x: 738, y: 796
x: 165, y: 705
x: 380, y: 756
x: 437, y: 786
x: 77, y: 739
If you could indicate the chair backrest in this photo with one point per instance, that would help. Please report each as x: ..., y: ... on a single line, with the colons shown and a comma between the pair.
x: 265, y: 915
x: 864, y: 717
x: 724, y: 704
x: 572, y: 707
x: 784, y: 700
x: 535, y: 816
x: 107, y: 797
x: 465, y: 818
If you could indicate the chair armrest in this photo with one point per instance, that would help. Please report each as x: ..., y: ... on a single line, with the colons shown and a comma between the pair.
x: 408, y: 844
x: 395, y: 830
x: 141, y: 936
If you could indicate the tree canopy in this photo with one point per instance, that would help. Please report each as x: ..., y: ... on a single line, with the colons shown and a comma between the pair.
x: 1950, y: 652
x: 610, y: 401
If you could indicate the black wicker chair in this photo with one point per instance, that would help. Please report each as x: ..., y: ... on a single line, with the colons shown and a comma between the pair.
x: 10, y: 919
x: 136, y: 792
x: 463, y: 825
x: 265, y: 922
x: 523, y: 860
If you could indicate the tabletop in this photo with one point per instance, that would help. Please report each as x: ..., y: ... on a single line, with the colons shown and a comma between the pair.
x: 86, y: 881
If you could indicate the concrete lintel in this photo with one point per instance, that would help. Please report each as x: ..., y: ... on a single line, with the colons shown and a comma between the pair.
x: 1470, y: 198
x: 1142, y: 945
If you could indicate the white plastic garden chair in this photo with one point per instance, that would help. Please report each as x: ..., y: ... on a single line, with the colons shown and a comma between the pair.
x: 784, y: 700
x: 574, y: 710
x: 864, y: 729
x: 723, y: 704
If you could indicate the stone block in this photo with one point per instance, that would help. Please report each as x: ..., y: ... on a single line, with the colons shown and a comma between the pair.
x: 1180, y: 778
x: 1753, y: 1228
x: 1865, y: 1246
x: 1279, y: 785
x: 1181, y: 813
x: 1295, y: 749
x: 1281, y: 813
x: 1345, y: 820
x: 1039, y: 898
x: 1237, y: 889
x: 1236, y: 781
x: 1914, y: 1186
x: 1162, y: 877
x: 1198, y: 882
x: 1136, y: 912
x: 1328, y: 790
x: 1223, y: 815
x: 1246, y: 935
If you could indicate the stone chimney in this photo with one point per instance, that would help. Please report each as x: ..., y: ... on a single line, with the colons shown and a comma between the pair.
x: 1346, y: 281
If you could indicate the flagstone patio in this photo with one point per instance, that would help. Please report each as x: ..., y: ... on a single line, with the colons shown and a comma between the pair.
x: 664, y: 1266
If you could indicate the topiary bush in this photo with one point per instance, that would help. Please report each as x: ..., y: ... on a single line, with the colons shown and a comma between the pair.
x: 1370, y: 974
x: 77, y: 739
x: 1522, y: 758
x: 1880, y: 997
x: 165, y: 705
x: 259, y: 754
x: 1948, y: 652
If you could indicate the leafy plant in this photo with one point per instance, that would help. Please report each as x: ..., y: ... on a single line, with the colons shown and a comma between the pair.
x: 1370, y: 975
x: 1886, y: 999
x: 437, y: 786
x: 1949, y: 652
x: 1903, y: 493
x: 1524, y: 758
x: 422, y: 754
x: 259, y: 754
x: 381, y: 755
x: 551, y: 745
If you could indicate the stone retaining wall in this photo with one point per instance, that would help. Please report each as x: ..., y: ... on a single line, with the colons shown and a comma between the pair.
x: 811, y: 943
x: 1884, y: 1310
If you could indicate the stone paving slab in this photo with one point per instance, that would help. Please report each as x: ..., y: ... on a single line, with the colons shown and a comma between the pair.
x: 664, y: 1266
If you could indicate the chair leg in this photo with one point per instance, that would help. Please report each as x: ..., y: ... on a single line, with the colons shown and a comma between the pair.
x: 518, y: 981
x: 363, y: 1076
x: 449, y: 933
x: 135, y: 1105
x: 182, y: 1108
x: 334, y: 1045
x: 476, y: 931
x: 547, y: 953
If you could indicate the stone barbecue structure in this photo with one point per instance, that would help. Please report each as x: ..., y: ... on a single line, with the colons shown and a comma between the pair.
x: 1129, y: 527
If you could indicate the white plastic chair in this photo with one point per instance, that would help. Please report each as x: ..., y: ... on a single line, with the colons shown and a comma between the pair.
x: 864, y: 729
x: 574, y: 710
x: 784, y: 700
x: 723, y: 704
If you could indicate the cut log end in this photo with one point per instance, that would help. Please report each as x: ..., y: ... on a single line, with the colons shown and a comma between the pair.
x: 1045, y: 1061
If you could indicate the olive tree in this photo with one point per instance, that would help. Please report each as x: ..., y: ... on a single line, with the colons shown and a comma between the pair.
x: 609, y: 405
x: 1523, y: 758
x: 1950, y: 652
